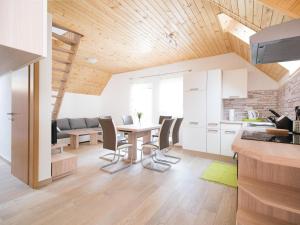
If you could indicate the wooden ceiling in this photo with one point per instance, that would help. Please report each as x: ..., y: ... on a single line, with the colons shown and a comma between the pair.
x: 126, y: 35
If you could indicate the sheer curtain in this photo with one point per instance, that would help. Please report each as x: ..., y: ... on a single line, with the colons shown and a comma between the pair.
x: 171, y: 96
x: 141, y: 100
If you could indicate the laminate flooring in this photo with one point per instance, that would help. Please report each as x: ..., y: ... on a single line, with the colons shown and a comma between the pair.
x: 135, y: 196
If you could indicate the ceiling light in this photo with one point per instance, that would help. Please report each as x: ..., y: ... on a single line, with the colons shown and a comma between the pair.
x: 91, y: 60
x: 171, y: 39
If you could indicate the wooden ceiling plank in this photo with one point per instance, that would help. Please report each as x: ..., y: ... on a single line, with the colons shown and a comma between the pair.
x: 292, y: 10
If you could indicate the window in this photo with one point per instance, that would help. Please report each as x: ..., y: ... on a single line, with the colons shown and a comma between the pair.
x: 171, y: 96
x: 141, y: 101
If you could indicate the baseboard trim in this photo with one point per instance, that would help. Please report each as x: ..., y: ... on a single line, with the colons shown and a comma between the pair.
x: 44, y: 183
x: 210, y: 156
x: 5, y: 160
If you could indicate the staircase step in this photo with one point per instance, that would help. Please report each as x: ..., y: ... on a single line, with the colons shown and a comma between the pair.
x: 63, y: 39
x: 60, y: 70
x: 60, y: 60
x: 63, y: 50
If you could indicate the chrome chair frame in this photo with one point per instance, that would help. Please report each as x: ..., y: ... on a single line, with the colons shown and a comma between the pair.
x: 175, y: 140
x: 110, y: 142
x: 163, y: 143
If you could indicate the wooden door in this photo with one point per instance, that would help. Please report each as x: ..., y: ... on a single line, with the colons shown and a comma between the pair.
x: 20, y: 124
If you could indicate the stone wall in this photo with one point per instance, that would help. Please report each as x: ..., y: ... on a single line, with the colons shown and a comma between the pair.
x: 257, y: 100
x: 289, y: 96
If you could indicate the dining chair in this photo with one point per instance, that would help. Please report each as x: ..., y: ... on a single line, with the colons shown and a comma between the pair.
x: 112, y: 143
x: 157, y: 148
x: 127, y: 119
x: 174, y: 140
x: 162, y: 118
x: 160, y: 121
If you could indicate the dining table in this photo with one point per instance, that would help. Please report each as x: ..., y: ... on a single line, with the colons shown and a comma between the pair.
x: 135, y: 131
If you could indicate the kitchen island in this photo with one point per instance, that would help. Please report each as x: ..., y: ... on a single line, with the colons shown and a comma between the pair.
x: 268, y: 182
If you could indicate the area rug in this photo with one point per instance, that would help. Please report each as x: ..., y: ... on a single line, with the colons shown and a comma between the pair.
x: 223, y: 173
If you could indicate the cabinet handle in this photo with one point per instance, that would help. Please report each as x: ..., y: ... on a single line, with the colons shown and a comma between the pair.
x: 212, y: 124
x: 213, y: 131
x: 194, y: 89
x: 194, y: 123
x: 229, y: 132
x: 233, y: 96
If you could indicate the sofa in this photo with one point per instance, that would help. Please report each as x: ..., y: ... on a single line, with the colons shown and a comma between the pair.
x: 67, y: 124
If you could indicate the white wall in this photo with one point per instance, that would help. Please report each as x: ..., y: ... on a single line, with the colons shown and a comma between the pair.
x: 5, y: 123
x: 45, y: 80
x: 115, y: 97
x: 79, y: 105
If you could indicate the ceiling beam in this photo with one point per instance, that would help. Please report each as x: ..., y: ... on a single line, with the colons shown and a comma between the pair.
x: 292, y: 11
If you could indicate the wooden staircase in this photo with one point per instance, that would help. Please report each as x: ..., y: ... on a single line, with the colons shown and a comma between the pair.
x: 64, y: 49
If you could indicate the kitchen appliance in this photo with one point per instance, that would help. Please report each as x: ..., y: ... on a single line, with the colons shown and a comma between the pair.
x: 296, y: 123
x: 281, y: 121
x: 253, y: 115
x: 264, y: 136
x: 277, y: 43
x: 231, y: 114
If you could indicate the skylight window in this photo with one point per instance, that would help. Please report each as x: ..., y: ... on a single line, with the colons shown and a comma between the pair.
x: 58, y: 31
x: 243, y: 33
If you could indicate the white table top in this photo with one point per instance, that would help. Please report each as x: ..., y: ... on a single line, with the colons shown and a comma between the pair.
x: 138, y: 127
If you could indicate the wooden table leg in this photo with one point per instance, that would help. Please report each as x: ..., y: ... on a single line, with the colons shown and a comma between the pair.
x: 147, y: 138
x: 93, y: 139
x: 132, y: 151
x: 74, y: 141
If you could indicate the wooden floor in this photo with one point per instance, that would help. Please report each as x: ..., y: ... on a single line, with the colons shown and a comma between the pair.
x: 135, y: 196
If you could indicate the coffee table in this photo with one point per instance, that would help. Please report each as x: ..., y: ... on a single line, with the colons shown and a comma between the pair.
x: 74, y: 136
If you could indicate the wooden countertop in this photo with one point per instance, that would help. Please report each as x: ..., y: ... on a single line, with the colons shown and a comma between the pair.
x: 268, y: 152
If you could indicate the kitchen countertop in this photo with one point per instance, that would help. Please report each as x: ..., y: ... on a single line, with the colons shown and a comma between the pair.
x: 268, y: 152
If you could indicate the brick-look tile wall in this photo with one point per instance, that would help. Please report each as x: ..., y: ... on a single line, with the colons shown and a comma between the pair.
x: 257, y: 100
x: 289, y: 97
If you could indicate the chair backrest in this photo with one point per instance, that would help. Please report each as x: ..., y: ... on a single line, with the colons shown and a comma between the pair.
x: 175, y: 132
x: 127, y: 120
x: 162, y: 118
x: 109, y: 134
x: 164, y: 134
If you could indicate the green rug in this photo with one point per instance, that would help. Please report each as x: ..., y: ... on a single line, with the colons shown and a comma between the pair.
x: 223, y: 173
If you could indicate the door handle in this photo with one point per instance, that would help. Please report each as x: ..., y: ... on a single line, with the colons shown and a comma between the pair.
x: 11, y: 114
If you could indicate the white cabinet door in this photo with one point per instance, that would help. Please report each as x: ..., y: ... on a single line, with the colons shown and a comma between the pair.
x: 213, y: 141
x: 214, y: 98
x: 194, y: 107
x: 194, y: 81
x: 227, y: 138
x: 194, y: 138
x: 235, y: 83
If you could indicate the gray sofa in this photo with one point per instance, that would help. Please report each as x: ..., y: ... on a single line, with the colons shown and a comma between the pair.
x: 67, y: 124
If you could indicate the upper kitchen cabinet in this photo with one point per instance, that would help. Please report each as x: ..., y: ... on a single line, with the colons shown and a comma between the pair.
x: 23, y: 28
x: 235, y: 83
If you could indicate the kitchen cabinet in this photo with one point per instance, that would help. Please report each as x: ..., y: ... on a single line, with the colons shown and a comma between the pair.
x: 214, y: 98
x: 194, y: 137
x: 213, y: 140
x: 194, y: 111
x: 234, y: 84
x: 228, y: 133
x: 23, y: 28
x: 195, y: 81
x: 213, y: 110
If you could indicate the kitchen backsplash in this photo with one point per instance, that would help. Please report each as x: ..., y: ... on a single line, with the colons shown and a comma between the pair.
x: 289, y: 96
x: 257, y: 100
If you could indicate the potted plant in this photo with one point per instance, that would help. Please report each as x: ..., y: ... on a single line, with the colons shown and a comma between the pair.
x: 139, y: 115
